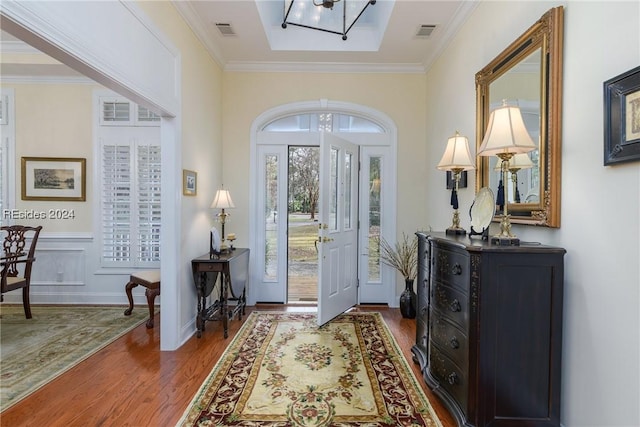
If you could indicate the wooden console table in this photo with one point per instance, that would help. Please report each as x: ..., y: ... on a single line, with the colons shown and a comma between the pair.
x: 232, y: 270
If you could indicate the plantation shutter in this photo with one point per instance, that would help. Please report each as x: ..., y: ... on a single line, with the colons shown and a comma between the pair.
x: 130, y: 174
x: 115, y: 111
x: 116, y: 204
x: 148, y: 171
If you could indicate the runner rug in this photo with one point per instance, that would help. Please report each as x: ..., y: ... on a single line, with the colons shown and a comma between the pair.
x: 35, y: 351
x: 281, y: 369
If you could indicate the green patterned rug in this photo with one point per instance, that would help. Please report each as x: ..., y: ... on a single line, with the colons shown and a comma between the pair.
x: 35, y: 351
x: 281, y: 369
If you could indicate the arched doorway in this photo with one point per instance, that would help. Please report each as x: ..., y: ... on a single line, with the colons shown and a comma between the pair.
x: 300, y: 125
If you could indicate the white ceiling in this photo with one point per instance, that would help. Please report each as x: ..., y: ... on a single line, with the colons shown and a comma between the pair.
x: 383, y: 39
x: 256, y: 23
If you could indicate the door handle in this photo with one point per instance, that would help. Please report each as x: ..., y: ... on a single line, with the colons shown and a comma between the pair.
x: 324, y: 239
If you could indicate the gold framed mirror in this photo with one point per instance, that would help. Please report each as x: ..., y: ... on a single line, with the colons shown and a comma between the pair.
x: 527, y: 74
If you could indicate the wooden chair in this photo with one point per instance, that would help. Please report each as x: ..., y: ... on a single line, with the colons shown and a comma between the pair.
x: 17, y: 260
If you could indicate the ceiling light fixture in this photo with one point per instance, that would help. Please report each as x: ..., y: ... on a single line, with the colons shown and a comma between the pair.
x: 324, y: 4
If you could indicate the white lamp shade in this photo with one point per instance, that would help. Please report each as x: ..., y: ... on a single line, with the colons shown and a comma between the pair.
x: 519, y: 161
x: 506, y: 133
x: 456, y: 155
x: 222, y: 200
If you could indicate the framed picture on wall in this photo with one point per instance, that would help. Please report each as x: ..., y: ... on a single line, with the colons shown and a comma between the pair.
x: 189, y: 182
x: 54, y: 178
x: 622, y: 118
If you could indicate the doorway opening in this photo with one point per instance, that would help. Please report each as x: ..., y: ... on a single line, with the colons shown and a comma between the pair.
x: 303, y: 179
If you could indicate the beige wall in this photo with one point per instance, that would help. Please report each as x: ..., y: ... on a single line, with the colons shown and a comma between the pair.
x: 200, y: 145
x: 400, y: 96
x: 600, y: 205
x: 55, y: 120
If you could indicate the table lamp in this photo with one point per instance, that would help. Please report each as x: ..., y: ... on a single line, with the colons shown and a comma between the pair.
x: 222, y: 201
x: 456, y: 158
x: 505, y: 137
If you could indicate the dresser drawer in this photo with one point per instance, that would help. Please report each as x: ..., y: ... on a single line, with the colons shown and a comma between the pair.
x: 451, y: 267
x: 452, y: 304
x: 204, y: 267
x: 450, y: 339
x: 450, y: 376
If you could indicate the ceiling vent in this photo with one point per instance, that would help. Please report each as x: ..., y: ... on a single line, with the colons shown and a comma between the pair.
x: 225, y: 29
x: 425, y: 31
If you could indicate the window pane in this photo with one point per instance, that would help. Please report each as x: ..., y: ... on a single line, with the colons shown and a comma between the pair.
x: 271, y: 214
x: 347, y: 190
x: 333, y: 202
x: 323, y: 121
x: 374, y: 217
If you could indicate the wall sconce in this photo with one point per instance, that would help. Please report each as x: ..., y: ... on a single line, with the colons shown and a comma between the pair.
x: 506, y: 136
x: 456, y: 158
x: 222, y: 201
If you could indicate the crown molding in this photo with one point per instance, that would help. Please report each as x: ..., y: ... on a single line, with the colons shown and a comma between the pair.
x: 324, y: 67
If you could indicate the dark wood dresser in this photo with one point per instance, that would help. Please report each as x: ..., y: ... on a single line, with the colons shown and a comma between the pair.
x: 489, y: 329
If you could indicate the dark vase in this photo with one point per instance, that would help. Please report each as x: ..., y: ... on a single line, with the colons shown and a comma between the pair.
x: 408, y: 300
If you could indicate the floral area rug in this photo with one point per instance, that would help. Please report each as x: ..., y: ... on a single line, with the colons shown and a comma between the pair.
x: 35, y: 351
x: 281, y: 369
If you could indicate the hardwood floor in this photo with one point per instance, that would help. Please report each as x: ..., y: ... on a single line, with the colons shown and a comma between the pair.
x: 132, y: 383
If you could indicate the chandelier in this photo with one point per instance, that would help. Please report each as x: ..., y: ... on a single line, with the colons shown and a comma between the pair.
x: 323, y: 4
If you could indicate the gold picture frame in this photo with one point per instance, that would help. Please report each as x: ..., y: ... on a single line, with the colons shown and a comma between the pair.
x: 54, y: 179
x: 189, y: 182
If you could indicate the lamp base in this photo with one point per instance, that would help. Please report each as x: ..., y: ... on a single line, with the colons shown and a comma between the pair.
x: 455, y: 231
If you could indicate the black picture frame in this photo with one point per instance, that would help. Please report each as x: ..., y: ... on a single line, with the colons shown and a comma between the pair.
x: 461, y: 184
x: 622, y: 118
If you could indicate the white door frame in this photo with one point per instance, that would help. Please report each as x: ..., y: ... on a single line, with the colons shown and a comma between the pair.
x: 387, y: 140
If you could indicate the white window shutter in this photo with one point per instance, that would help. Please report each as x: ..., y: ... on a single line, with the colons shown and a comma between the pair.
x: 116, y: 204
x: 130, y: 183
x: 148, y: 212
x: 115, y: 111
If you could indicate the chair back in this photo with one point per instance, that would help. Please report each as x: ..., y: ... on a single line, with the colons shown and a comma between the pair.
x: 14, y: 249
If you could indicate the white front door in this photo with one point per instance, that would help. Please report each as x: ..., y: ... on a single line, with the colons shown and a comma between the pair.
x: 338, y: 227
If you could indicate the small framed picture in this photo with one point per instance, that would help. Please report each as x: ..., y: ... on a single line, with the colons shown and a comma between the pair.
x: 54, y: 178
x: 189, y: 182
x: 622, y: 118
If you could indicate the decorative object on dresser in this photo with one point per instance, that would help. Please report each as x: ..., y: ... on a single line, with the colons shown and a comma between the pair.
x: 506, y: 136
x: 222, y: 201
x: 481, y: 213
x: 456, y: 158
x: 403, y: 257
x: 489, y: 329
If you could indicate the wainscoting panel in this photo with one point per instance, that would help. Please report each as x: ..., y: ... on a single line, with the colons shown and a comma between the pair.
x: 59, y: 267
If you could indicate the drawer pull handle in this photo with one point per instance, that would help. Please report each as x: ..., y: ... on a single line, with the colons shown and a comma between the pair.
x: 455, y: 306
x: 454, y: 343
x: 424, y: 309
x: 452, y: 378
x: 456, y: 270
